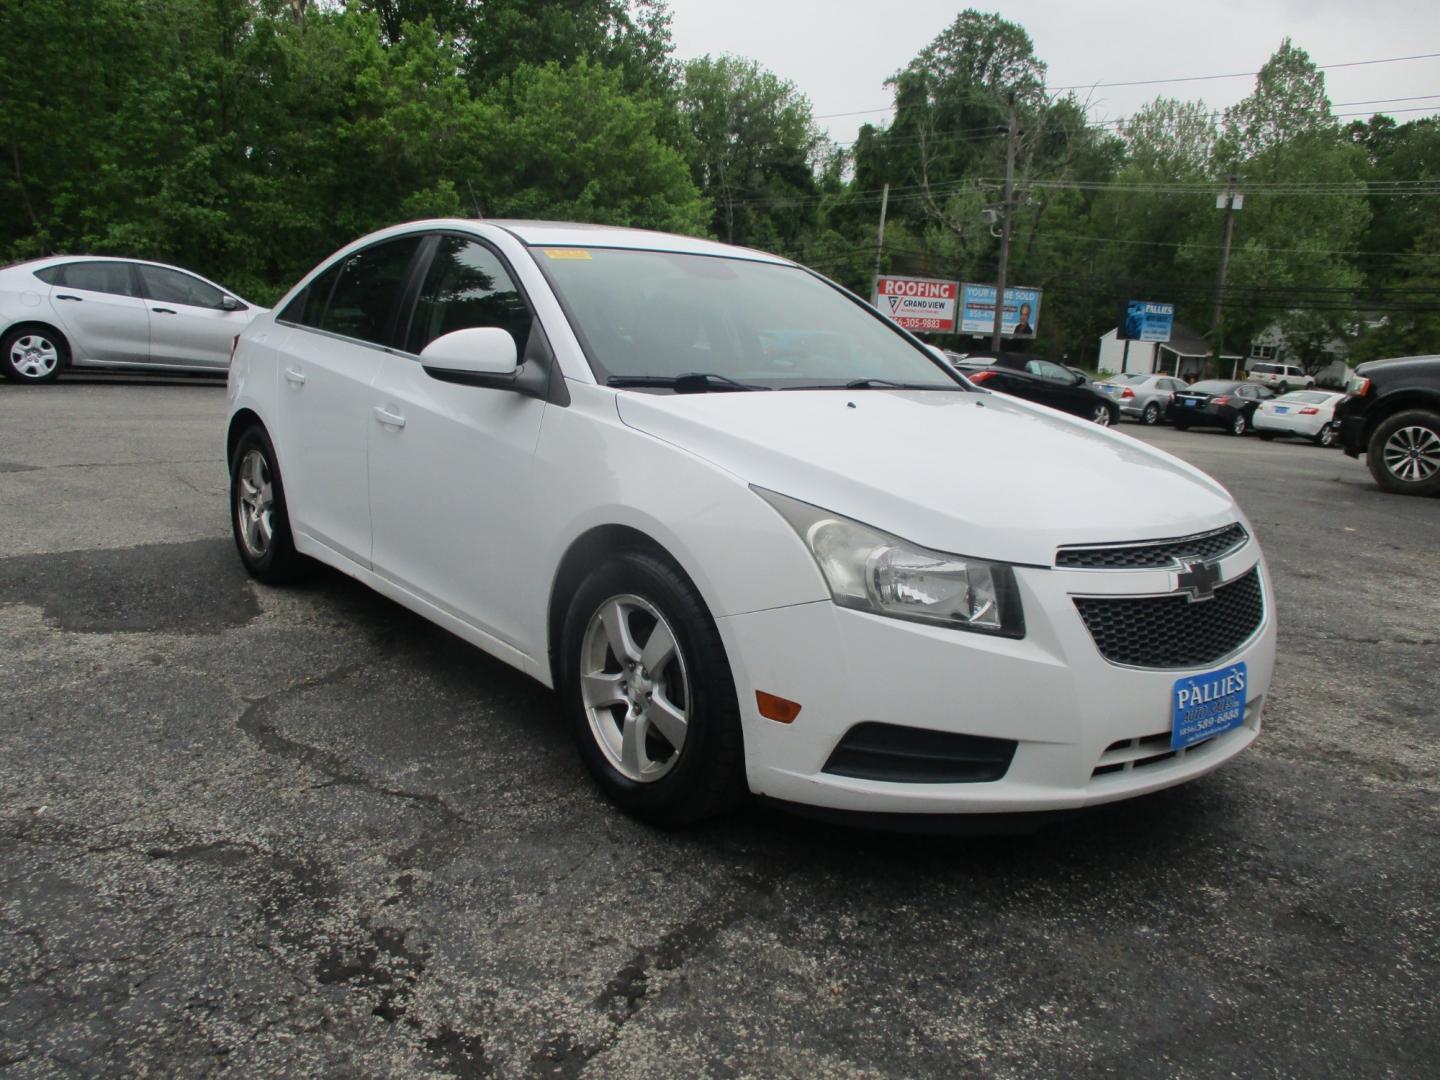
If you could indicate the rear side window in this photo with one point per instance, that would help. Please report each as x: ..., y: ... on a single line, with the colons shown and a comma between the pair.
x: 466, y: 286
x: 173, y: 287
x: 52, y: 275
x: 102, y: 277
x: 362, y: 305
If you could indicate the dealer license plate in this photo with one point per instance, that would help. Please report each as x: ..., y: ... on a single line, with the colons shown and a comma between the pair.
x: 1189, y: 403
x: 1282, y: 408
x: 1203, y: 706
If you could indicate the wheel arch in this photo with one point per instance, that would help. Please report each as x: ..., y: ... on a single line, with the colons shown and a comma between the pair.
x: 584, y: 552
x: 66, y: 348
x: 1398, y: 401
x: 242, y: 421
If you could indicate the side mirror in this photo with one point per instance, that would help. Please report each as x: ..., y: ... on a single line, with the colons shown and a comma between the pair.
x: 229, y: 303
x: 475, y: 356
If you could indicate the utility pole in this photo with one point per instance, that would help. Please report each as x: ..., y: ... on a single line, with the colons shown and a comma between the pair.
x: 1229, y: 202
x: 880, y: 240
x: 1007, y: 205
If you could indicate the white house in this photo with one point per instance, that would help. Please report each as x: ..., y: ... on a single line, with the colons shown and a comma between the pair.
x: 1182, y: 356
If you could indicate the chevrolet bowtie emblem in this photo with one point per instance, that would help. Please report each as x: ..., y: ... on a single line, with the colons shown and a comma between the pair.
x: 1198, y: 580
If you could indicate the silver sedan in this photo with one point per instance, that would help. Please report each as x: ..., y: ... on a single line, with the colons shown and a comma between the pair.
x: 1140, y: 396
x: 92, y: 311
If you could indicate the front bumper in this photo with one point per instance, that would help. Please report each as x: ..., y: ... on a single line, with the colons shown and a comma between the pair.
x: 1078, y: 720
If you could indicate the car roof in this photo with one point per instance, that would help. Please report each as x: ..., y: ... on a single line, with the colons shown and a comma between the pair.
x: 579, y: 234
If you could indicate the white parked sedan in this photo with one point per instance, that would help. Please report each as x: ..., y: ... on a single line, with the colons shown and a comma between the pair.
x: 96, y: 312
x: 1306, y: 414
x: 755, y: 535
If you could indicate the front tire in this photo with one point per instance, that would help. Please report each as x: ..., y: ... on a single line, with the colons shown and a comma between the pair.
x: 258, y: 517
x: 649, y: 693
x: 1404, y: 453
x: 33, y: 354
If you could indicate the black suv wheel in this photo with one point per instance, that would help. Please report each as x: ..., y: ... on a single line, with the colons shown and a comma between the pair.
x: 1404, y: 453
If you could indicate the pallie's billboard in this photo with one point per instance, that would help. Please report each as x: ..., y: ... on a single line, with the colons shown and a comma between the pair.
x: 926, y: 304
x: 1019, y: 319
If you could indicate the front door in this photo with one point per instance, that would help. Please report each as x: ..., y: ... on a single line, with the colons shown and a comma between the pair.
x: 450, y: 465
x: 188, y: 325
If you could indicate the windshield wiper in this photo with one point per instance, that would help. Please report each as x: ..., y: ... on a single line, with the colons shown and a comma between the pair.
x: 878, y: 384
x: 692, y: 382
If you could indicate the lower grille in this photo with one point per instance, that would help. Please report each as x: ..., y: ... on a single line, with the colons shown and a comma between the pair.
x: 1173, y: 631
x: 908, y: 755
x: 1130, y: 755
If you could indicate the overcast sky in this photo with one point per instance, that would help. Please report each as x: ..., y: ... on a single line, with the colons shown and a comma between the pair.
x: 840, y: 52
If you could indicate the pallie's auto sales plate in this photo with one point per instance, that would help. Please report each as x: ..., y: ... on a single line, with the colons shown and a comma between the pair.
x: 1203, y: 706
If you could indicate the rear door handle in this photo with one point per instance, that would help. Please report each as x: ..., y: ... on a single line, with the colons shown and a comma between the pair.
x: 388, y: 418
x: 67, y: 296
x: 163, y: 310
x: 294, y: 376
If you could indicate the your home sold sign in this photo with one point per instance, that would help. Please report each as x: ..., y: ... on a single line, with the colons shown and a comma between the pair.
x: 918, y: 303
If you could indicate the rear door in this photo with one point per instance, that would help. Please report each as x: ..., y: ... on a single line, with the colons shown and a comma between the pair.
x: 344, y: 322
x: 98, y: 306
x: 189, y: 327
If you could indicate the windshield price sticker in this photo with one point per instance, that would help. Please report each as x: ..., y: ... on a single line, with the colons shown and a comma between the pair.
x: 567, y: 253
x: 1204, y: 706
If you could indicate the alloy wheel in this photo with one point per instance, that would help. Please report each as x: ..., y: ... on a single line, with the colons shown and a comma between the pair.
x: 1412, y: 454
x: 635, y: 688
x: 1101, y: 415
x: 34, y: 356
x: 1237, y: 426
x: 1151, y: 416
x: 255, y: 504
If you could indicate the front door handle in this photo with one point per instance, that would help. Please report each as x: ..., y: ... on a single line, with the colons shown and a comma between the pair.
x: 388, y: 418
x: 67, y: 296
x: 163, y: 310
x: 295, y: 376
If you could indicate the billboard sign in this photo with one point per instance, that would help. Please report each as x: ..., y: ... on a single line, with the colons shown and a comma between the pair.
x: 1019, y: 319
x: 924, y: 304
x: 1146, y: 320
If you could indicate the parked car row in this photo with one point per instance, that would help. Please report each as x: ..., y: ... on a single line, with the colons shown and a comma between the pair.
x: 121, y: 314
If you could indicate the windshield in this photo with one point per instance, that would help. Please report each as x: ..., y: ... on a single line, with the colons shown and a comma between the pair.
x: 659, y: 315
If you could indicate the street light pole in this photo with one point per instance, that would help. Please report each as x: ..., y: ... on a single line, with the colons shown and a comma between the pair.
x: 880, y: 239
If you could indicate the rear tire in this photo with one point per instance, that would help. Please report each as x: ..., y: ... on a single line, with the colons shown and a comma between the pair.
x: 1151, y: 416
x: 1239, y: 425
x: 1325, y: 436
x: 259, y: 520
x: 658, y: 727
x: 1404, y: 453
x: 1284, y: 388
x: 1182, y: 425
x: 1266, y: 436
x: 33, y: 354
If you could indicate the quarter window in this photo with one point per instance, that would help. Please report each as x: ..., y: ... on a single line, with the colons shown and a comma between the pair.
x: 173, y: 287
x: 467, y: 286
x: 51, y: 275
x: 102, y: 277
x: 370, y: 281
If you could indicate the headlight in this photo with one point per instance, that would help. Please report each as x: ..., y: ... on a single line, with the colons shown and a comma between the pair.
x: 874, y: 571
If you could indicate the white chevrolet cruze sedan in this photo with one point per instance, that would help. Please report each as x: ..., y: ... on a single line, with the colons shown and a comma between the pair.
x: 756, y: 536
x: 92, y: 311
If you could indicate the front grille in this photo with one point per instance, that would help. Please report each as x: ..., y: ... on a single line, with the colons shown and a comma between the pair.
x: 908, y: 755
x: 1154, y: 554
x: 1173, y: 631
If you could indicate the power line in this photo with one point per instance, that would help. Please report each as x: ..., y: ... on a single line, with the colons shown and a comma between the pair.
x: 1157, y: 82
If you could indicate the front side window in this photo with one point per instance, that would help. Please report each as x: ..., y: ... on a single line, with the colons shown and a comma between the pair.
x: 467, y: 286
x: 656, y: 314
x: 362, y: 304
x: 173, y: 287
x: 102, y: 277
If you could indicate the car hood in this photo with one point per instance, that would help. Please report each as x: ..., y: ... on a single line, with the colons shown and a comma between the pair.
x: 974, y: 474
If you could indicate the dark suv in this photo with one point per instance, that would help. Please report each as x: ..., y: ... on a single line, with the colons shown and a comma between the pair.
x: 1392, y: 416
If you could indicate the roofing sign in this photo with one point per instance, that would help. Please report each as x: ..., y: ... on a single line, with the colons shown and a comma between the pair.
x: 918, y: 303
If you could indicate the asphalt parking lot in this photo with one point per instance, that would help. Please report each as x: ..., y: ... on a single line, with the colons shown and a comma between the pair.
x: 303, y: 832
